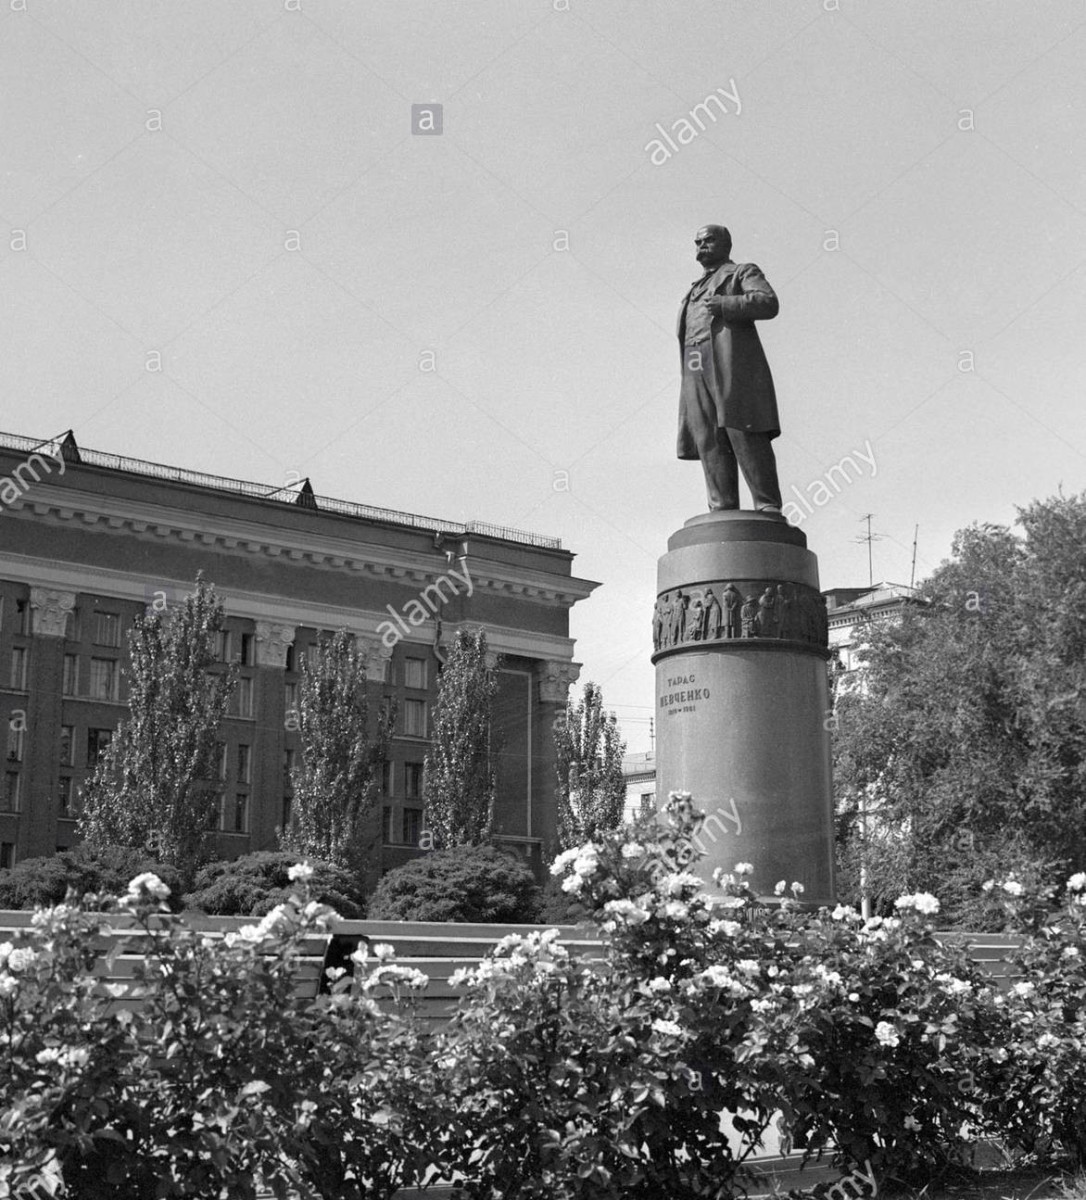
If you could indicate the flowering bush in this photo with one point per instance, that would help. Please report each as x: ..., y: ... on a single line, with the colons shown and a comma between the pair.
x: 1043, y: 1103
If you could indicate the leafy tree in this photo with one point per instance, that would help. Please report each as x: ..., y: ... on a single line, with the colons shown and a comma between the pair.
x: 460, y: 777
x: 155, y: 786
x: 342, y: 751
x: 591, y: 791
x: 965, y: 751
x: 252, y: 885
x: 464, y: 883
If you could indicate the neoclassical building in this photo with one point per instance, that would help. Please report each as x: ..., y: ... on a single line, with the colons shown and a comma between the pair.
x: 89, y: 540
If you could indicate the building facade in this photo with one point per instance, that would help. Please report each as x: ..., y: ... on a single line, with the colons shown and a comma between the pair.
x: 90, y: 541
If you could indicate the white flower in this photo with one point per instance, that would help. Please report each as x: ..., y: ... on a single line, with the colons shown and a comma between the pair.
x: 667, y: 1027
x: 1077, y: 882
x: 633, y: 850
x: 383, y: 951
x: 886, y: 1034
x: 1012, y: 887
x: 5, y: 949
x: 750, y: 966
x: 744, y: 868
x: 1070, y: 952
x: 806, y: 1061
x: 626, y: 910
x: 7, y: 984
x: 797, y: 889
x: 922, y: 902
x: 563, y: 860
x: 300, y: 873
x: 1026, y: 988
x: 675, y: 909
x: 20, y: 959
x: 361, y: 954
x: 987, y: 885
x: 830, y: 977
x: 659, y: 985
x: 911, y: 1123
x: 727, y: 928
x: 151, y: 884
x: 391, y: 975
x: 573, y: 883
x: 853, y: 996
x: 673, y: 885
x: 844, y: 913
x: 778, y: 887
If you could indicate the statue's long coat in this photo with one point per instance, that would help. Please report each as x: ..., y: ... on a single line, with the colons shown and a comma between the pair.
x: 734, y: 367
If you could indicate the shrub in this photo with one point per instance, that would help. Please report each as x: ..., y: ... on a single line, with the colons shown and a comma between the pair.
x: 252, y: 885
x: 463, y: 883
x: 557, y: 907
x: 43, y: 882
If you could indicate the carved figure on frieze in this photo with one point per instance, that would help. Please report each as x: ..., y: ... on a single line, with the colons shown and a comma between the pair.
x: 678, y: 617
x: 694, y: 619
x: 50, y: 609
x: 733, y: 604
x: 767, y: 613
x: 657, y: 623
x: 710, y: 617
x: 786, y: 611
x: 749, y: 616
x: 666, y: 609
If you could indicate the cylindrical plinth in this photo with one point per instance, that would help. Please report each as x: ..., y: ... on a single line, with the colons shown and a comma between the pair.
x: 742, y: 697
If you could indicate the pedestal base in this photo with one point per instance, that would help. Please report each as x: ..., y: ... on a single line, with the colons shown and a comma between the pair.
x: 743, y: 699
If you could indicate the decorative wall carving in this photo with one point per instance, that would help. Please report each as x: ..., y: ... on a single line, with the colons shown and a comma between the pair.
x: 555, y: 679
x: 49, y: 609
x: 759, y: 610
x: 378, y: 656
x: 272, y: 643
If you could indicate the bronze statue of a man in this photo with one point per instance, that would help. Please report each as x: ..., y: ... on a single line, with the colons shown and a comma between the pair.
x: 727, y: 404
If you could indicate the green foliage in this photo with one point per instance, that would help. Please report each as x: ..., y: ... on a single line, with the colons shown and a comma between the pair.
x: 463, y: 883
x: 222, y: 1081
x: 460, y: 779
x: 558, y: 907
x: 591, y: 793
x: 40, y: 882
x: 967, y: 746
x: 155, y: 786
x: 337, y: 781
x: 252, y: 885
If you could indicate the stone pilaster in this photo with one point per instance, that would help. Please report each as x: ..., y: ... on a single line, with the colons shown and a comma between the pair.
x: 272, y: 643
x: 50, y: 610
x: 555, y: 680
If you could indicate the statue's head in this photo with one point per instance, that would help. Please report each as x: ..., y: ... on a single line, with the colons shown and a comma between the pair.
x: 714, y: 245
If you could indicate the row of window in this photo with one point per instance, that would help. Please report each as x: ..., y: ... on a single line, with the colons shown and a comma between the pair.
x: 410, y: 826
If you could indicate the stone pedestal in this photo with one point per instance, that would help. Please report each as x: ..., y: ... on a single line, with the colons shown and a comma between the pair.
x: 742, y: 697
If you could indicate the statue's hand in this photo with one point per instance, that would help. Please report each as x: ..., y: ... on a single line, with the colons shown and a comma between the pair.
x: 715, y: 304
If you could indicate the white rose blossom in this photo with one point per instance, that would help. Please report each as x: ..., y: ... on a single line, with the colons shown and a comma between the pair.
x: 300, y: 873
x: 886, y: 1034
x: 1077, y: 882
x: 150, y: 884
x: 922, y: 902
x: 744, y: 868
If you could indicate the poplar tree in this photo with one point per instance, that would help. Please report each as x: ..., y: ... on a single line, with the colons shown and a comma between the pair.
x: 591, y: 791
x: 460, y: 778
x: 155, y: 786
x: 343, y: 749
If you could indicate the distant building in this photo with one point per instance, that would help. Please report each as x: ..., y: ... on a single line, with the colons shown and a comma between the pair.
x: 89, y: 541
x: 853, y: 613
x: 639, y: 771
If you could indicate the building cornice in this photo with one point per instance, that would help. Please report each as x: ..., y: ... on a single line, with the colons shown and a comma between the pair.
x: 151, y: 522
x: 278, y: 610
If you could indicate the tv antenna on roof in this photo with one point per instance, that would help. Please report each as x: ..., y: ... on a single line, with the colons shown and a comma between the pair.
x: 869, y: 538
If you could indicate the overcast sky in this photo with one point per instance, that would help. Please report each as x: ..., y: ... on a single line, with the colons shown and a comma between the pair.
x: 236, y: 187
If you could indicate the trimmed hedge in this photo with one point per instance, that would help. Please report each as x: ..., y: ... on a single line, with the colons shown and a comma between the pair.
x: 42, y: 882
x: 252, y: 885
x: 463, y: 883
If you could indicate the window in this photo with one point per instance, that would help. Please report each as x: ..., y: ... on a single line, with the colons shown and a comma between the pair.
x: 219, y: 761
x: 7, y: 855
x: 412, y: 780
x: 71, y: 626
x: 66, y: 796
x: 386, y: 779
x: 414, y: 718
x: 240, y: 814
x: 412, y: 825
x: 18, y: 668
x: 245, y: 764
x: 107, y: 629
x: 67, y: 745
x: 15, y: 744
x: 105, y: 679
x: 22, y: 616
x: 414, y: 672
x: 220, y: 644
x: 9, y: 798
x: 71, y: 674
x: 648, y: 803
x: 243, y: 652
x: 388, y: 832
x: 97, y: 742
x: 289, y: 662
x: 243, y: 698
